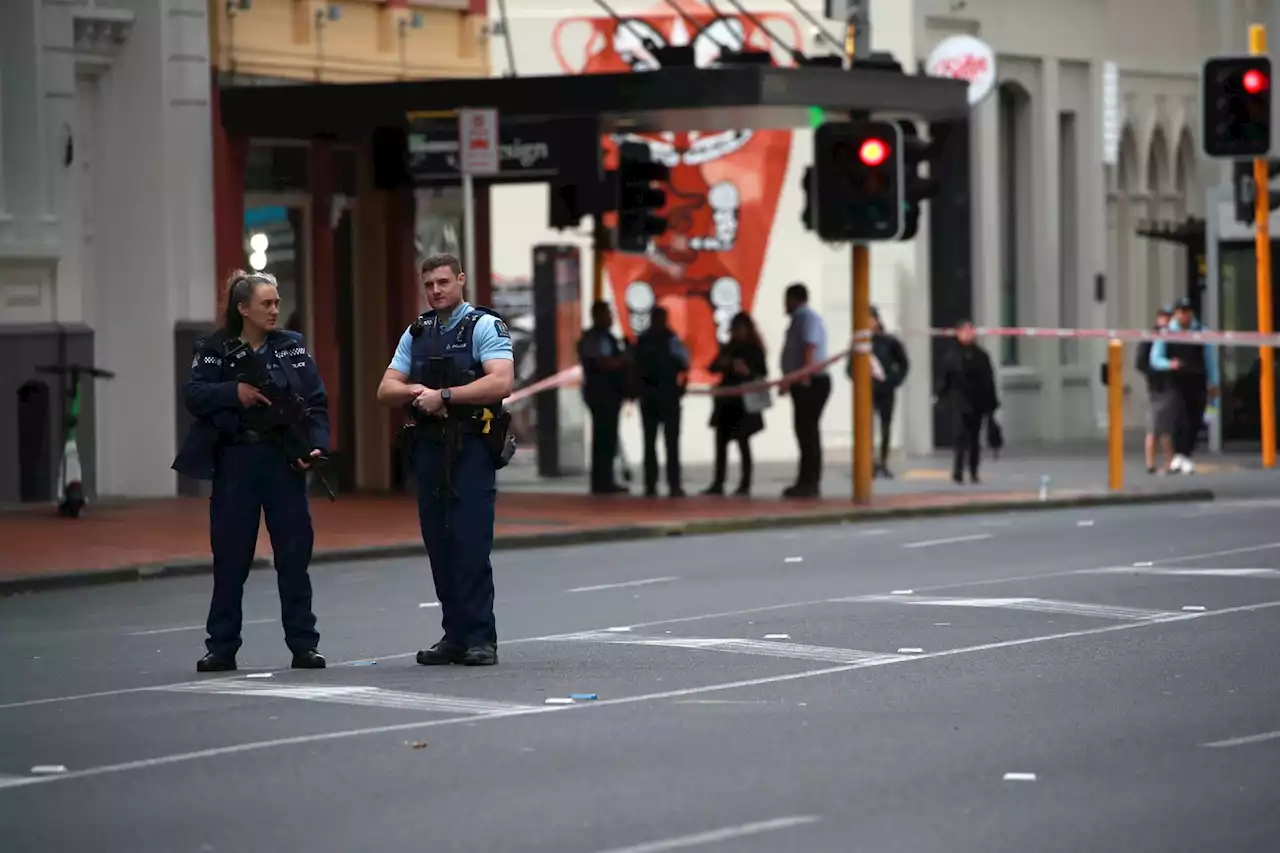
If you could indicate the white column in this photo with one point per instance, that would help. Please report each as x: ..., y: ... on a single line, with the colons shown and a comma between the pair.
x: 985, y: 165
x: 154, y: 243
x: 1045, y: 207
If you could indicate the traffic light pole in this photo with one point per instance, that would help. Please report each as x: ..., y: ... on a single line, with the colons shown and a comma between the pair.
x: 1262, y: 216
x: 863, y: 452
x: 858, y: 39
x: 597, y: 262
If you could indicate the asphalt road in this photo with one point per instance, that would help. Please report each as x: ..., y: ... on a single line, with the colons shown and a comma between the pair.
x: 923, y: 661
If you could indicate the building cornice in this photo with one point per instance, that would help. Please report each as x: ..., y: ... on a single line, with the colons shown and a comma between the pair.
x: 99, y: 34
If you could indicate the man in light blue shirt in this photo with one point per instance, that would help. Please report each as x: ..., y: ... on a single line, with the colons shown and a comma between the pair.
x: 451, y: 371
x: 1193, y: 371
x: 805, y: 345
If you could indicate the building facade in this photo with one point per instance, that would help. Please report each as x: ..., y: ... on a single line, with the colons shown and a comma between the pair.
x: 1054, y: 214
x: 123, y: 206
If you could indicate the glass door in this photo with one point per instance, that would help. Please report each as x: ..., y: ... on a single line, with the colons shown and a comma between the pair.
x: 276, y: 230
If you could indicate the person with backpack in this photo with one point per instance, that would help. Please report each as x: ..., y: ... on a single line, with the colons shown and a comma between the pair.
x: 662, y: 365
x: 889, y: 368
x: 1162, y: 401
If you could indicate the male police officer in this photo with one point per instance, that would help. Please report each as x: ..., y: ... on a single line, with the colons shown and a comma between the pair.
x: 452, y: 369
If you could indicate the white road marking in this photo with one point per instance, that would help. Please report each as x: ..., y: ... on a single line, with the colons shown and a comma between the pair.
x: 764, y: 648
x: 745, y: 611
x: 1019, y: 777
x: 951, y: 540
x: 1189, y: 572
x: 1248, y: 740
x: 372, y: 697
x: 1248, y: 549
x: 235, y: 749
x: 717, y: 835
x: 623, y: 585
x: 1035, y: 605
x: 191, y: 628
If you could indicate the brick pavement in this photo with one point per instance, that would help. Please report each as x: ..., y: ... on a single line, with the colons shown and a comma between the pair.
x: 150, y: 533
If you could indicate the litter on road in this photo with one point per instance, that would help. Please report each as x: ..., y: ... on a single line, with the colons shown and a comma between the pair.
x: 558, y: 700
x: 418, y: 744
x: 48, y: 769
x: 1194, y: 608
x: 258, y: 675
x: 364, y: 663
x: 777, y: 636
x: 588, y: 697
x: 911, y: 651
x: 1019, y: 777
x: 618, y: 629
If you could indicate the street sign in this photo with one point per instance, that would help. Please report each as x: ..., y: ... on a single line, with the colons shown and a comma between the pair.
x: 965, y: 57
x: 478, y: 141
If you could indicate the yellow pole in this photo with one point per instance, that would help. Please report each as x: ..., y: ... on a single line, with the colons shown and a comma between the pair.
x: 1262, y: 210
x: 1115, y: 415
x: 862, y: 438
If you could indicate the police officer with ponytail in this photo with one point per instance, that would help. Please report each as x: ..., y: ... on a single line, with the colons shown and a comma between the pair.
x: 452, y: 369
x: 233, y: 443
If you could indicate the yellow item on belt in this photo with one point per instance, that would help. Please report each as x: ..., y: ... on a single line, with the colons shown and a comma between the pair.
x: 486, y: 415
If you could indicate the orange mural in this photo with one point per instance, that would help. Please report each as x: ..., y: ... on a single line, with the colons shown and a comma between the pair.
x: 724, y: 187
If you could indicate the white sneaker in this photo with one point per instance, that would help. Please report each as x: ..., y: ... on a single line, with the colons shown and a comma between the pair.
x: 1179, y: 464
x: 1188, y: 467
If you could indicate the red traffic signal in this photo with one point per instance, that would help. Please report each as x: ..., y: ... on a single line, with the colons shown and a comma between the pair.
x: 873, y: 152
x: 1254, y: 81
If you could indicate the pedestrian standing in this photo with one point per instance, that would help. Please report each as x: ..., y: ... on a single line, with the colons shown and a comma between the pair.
x: 804, y: 347
x: 1194, y: 376
x: 451, y: 371
x: 737, y: 417
x: 606, y: 376
x: 661, y: 366
x: 235, y: 442
x: 889, y: 369
x: 1163, y: 402
x: 968, y: 388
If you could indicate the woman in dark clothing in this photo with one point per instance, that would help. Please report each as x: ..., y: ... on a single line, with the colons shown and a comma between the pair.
x: 968, y: 386
x: 740, y: 360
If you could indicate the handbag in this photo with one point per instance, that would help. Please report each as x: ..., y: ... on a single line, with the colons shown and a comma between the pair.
x: 755, y: 402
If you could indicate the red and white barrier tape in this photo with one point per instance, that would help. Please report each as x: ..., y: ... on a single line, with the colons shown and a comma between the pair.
x: 573, y: 375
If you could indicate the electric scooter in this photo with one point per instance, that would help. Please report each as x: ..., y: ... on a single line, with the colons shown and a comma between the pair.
x: 69, y: 474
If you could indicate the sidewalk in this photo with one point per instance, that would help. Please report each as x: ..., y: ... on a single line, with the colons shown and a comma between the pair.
x: 130, y: 540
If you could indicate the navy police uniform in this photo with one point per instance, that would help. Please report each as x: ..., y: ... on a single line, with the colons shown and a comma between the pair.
x: 455, y: 471
x: 251, y: 477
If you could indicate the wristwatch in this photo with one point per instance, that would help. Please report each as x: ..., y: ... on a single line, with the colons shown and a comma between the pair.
x: 445, y: 395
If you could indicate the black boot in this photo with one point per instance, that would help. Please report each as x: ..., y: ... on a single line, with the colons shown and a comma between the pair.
x: 442, y: 653
x: 485, y: 654
x: 309, y: 659
x: 216, y: 663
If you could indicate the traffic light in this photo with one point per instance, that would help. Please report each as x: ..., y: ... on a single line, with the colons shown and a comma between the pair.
x: 638, y: 199
x: 857, y: 181
x: 1245, y: 190
x: 916, y: 152
x: 1235, y: 96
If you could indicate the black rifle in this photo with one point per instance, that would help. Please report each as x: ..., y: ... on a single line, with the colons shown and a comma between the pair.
x: 284, y: 419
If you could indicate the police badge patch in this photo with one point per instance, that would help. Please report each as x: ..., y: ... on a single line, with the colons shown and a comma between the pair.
x: 503, y: 331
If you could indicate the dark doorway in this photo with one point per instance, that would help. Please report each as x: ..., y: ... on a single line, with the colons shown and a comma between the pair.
x: 35, y: 457
x: 950, y: 250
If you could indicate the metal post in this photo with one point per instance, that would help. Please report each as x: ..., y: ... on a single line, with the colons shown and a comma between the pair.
x: 1115, y: 415
x: 1262, y: 210
x: 597, y: 264
x: 863, y: 452
x: 858, y: 41
x: 469, y: 227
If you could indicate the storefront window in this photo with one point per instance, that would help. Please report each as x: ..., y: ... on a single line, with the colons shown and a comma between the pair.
x: 275, y: 242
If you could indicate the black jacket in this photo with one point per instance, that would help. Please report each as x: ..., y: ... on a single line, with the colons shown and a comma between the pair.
x: 892, y: 356
x: 968, y: 383
x: 729, y: 412
x: 210, y: 395
x: 660, y: 361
